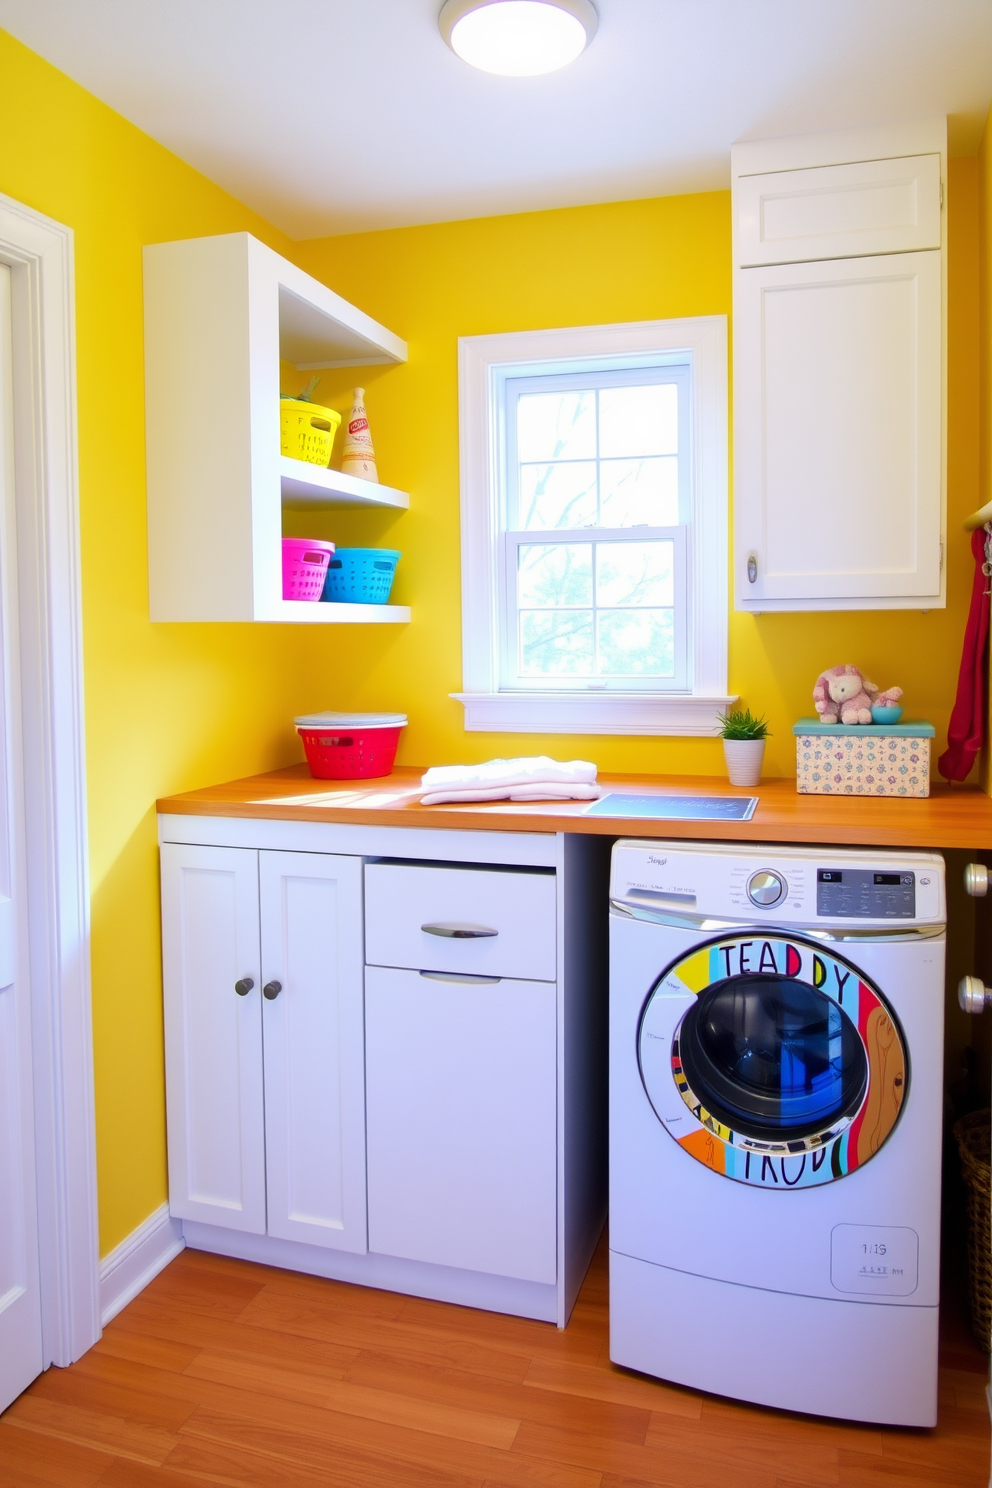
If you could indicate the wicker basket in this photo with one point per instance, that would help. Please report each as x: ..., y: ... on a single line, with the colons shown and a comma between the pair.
x: 972, y: 1136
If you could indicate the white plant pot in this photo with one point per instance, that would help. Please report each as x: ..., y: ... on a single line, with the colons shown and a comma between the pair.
x: 744, y: 760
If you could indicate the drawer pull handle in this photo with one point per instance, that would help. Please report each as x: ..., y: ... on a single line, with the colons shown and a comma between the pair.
x: 271, y: 990
x: 455, y: 930
x: 464, y: 977
x: 244, y: 986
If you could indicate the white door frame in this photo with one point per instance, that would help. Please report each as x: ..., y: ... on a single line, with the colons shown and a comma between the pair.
x: 40, y: 254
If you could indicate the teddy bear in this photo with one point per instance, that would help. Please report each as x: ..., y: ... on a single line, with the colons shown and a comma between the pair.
x: 843, y: 695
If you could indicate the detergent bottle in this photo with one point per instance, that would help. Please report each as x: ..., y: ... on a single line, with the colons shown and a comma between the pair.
x: 357, y: 454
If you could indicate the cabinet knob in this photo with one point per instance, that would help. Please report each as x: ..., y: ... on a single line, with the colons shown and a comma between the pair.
x: 455, y: 930
x: 271, y: 990
x: 244, y: 986
x: 976, y: 880
x: 752, y: 568
x: 973, y: 995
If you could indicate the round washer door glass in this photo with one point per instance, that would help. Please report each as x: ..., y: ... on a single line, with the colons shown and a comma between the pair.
x: 772, y: 1061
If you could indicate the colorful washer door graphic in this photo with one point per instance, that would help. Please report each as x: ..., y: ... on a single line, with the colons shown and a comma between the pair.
x: 772, y: 1061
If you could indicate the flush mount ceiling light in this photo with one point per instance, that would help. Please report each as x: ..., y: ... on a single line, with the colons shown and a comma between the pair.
x: 518, y: 38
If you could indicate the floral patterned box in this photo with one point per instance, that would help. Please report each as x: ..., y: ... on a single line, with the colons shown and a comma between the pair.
x: 862, y: 759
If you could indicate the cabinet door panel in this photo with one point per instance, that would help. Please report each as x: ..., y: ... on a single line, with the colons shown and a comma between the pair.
x: 462, y: 1122
x: 838, y: 211
x: 314, y: 1040
x: 837, y: 430
x: 213, y: 1036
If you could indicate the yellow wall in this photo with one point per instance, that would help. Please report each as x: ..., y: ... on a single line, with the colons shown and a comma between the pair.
x: 627, y: 261
x: 169, y: 707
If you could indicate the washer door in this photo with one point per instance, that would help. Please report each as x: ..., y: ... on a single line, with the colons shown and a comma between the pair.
x: 790, y: 1066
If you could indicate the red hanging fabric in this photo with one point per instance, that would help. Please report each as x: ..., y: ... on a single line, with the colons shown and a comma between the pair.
x: 969, y: 716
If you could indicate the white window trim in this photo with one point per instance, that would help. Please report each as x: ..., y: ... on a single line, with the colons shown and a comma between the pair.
x: 483, y: 363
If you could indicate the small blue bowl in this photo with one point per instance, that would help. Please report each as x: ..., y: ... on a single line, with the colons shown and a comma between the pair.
x: 886, y: 714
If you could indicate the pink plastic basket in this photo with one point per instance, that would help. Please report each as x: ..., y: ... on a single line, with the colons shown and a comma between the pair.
x: 304, y: 566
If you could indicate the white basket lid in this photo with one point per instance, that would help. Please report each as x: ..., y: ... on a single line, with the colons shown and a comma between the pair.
x: 351, y: 720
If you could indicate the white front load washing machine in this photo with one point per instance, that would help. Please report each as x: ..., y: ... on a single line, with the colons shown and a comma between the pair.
x: 776, y: 1044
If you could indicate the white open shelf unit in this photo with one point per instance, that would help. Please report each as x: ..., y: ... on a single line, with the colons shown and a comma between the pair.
x: 220, y: 313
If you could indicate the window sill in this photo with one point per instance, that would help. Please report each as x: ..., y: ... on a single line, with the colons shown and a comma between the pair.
x: 591, y: 713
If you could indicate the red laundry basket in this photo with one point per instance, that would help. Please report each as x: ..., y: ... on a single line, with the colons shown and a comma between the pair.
x: 350, y: 746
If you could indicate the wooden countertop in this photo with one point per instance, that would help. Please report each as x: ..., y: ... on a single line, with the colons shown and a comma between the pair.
x: 953, y: 816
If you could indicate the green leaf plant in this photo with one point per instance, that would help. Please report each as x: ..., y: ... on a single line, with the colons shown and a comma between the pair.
x: 741, y: 723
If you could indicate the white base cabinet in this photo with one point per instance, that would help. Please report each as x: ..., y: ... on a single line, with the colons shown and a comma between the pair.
x: 411, y: 1092
x: 262, y: 959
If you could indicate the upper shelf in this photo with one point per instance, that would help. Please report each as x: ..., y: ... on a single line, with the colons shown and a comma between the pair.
x: 317, y: 328
x: 315, y: 485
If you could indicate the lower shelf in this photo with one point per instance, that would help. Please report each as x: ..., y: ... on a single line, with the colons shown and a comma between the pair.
x: 302, y: 611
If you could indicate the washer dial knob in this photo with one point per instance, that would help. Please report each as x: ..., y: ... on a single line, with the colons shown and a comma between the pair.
x: 766, y: 888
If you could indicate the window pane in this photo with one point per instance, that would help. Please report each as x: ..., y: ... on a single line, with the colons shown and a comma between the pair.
x: 558, y: 495
x: 554, y: 575
x: 640, y: 491
x: 633, y: 573
x: 558, y: 426
x: 556, y: 644
x: 639, y: 420
x: 636, y: 643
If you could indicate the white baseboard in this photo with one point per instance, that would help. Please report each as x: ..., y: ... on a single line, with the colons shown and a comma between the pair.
x: 138, y: 1259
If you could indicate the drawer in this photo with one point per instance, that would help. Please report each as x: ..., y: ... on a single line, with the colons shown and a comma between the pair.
x: 474, y: 920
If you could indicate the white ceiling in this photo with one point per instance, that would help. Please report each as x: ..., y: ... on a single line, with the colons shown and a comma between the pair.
x: 340, y: 115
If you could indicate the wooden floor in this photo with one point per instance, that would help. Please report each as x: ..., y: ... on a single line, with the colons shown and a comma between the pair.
x: 223, y: 1372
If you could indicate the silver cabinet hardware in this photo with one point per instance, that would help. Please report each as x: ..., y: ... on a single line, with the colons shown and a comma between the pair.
x: 976, y: 880
x: 455, y: 930
x: 973, y: 995
x: 752, y: 568
x: 466, y: 977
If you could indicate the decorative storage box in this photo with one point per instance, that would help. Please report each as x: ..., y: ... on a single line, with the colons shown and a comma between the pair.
x: 862, y: 759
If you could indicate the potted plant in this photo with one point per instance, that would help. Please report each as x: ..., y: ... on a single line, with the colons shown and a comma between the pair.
x: 743, y: 738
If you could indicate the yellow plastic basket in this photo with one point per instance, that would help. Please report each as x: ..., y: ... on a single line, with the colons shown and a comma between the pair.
x: 308, y: 430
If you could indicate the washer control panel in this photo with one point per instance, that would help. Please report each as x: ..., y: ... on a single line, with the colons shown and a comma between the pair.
x: 864, y: 894
x: 766, y: 888
x: 750, y: 883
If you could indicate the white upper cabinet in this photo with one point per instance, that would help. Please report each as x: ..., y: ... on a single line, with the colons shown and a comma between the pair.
x: 839, y: 356
x: 839, y: 211
x: 220, y: 314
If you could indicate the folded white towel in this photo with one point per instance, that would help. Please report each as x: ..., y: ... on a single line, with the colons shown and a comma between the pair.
x: 550, y: 790
x: 497, y: 773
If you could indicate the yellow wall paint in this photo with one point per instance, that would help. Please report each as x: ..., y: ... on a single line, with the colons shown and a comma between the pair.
x: 168, y: 707
x: 586, y: 265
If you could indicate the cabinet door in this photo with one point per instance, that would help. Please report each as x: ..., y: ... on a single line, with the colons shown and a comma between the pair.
x: 213, y: 1035
x: 837, y: 434
x: 311, y: 906
x: 838, y: 211
x: 462, y: 1121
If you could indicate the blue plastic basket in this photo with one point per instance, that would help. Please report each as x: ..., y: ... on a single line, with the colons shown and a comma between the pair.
x: 360, y: 575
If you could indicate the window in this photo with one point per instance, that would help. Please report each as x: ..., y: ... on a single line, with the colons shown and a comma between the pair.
x: 593, y: 589
x: 594, y: 528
